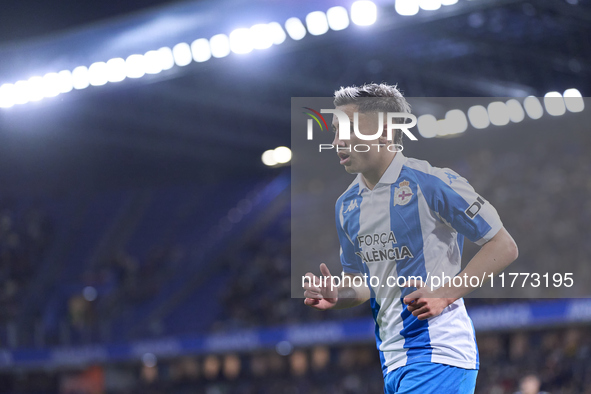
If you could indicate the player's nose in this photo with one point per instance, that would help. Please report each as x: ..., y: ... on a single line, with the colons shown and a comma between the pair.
x: 336, y: 141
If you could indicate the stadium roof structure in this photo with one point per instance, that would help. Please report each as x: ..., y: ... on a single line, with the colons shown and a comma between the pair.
x: 212, y: 119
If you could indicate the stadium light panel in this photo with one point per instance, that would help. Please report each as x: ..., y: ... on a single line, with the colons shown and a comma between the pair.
x: 21, y: 92
x: 430, y: 5
x: 97, y: 74
x: 533, y: 108
x: 295, y: 28
x: 282, y: 154
x: 153, y: 62
x: 338, y: 18
x: 478, y: 116
x: 201, y: 50
x: 407, y: 7
x: 277, y: 33
x: 268, y: 158
x: 66, y: 81
x: 516, y: 113
x: 364, y: 13
x: 220, y: 45
x: 51, y: 87
x: 456, y: 121
x: 182, y: 54
x: 498, y: 113
x: 35, y: 88
x: 442, y: 126
x: 135, y: 66
x: 574, y: 100
x: 7, y: 95
x: 317, y: 23
x: 427, y: 125
x: 166, y: 58
x: 554, y: 104
x: 80, y: 78
x: 241, y: 41
x: 262, y: 36
x: 116, y: 70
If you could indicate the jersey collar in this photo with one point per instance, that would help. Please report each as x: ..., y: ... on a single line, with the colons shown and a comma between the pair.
x: 390, y: 176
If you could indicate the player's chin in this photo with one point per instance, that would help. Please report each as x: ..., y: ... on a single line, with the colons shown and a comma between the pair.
x: 351, y: 168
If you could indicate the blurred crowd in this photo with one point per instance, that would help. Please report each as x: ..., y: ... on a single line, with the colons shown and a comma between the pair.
x: 554, y: 361
x: 25, y: 235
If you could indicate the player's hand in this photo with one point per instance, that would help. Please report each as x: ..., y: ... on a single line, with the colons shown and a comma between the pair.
x: 321, y: 296
x: 423, y: 303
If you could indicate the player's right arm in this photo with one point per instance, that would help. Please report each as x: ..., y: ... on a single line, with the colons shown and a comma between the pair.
x: 321, y: 295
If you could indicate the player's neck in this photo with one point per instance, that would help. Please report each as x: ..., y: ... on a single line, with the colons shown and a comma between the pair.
x: 372, y: 177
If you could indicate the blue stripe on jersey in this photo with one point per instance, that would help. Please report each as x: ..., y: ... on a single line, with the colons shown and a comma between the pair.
x: 405, y: 223
x: 475, y: 344
x: 375, y: 309
x: 349, y: 260
x: 444, y: 200
x: 351, y: 226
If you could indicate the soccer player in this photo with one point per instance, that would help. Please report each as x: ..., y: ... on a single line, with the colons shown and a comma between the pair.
x: 402, y: 217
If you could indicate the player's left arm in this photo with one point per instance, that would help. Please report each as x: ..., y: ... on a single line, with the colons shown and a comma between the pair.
x: 493, y: 257
x: 456, y: 203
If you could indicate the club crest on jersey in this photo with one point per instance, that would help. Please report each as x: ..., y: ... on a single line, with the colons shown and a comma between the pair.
x: 351, y: 206
x: 402, y: 194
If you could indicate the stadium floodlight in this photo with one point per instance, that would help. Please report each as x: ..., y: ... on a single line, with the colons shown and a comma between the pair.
x: 317, y: 23
x: 448, y: 2
x: 7, y: 95
x: 295, y: 28
x: 282, y: 154
x: 338, y: 18
x: 574, y: 100
x: 166, y: 58
x: 277, y: 33
x: 21, y: 92
x: 407, y: 7
x: 135, y: 66
x: 364, y: 13
x: 35, y: 88
x: 66, y: 81
x: 262, y: 36
x: 116, y: 71
x: 51, y: 87
x: 516, y: 113
x: 201, y: 50
x: 182, y: 54
x: 456, y: 121
x: 220, y: 45
x: 498, y: 113
x: 427, y: 125
x: 241, y: 41
x: 442, y: 128
x: 153, y: 62
x: 430, y: 5
x: 97, y: 74
x: 268, y: 158
x: 80, y: 78
x: 554, y: 104
x: 533, y: 108
x: 478, y: 116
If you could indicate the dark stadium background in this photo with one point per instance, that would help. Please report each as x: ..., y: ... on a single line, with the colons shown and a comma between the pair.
x: 145, y: 247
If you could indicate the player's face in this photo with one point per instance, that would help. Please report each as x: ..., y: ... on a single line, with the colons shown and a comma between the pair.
x: 357, y: 161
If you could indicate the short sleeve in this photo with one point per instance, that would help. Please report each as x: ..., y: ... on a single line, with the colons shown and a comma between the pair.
x: 457, y: 204
x: 349, y: 260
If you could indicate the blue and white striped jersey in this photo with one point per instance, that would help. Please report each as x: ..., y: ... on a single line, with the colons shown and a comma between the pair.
x: 413, y: 223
